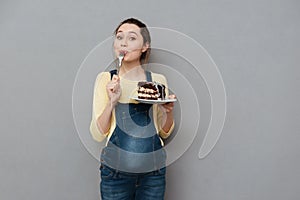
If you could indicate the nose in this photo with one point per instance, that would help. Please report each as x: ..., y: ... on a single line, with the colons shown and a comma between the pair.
x: 124, y: 43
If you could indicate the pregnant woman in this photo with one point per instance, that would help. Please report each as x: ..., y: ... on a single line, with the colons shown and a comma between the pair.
x: 133, y: 160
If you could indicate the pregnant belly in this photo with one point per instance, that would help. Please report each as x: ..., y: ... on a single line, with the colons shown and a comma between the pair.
x: 132, y: 154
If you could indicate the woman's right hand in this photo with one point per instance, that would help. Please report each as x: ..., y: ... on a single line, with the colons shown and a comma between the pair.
x: 113, y: 90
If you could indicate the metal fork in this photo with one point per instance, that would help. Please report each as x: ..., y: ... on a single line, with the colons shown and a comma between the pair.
x: 121, y: 56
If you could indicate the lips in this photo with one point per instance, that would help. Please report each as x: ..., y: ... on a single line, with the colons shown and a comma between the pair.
x: 123, y: 52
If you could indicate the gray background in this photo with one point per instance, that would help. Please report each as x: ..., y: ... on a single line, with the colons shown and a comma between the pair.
x: 255, y: 45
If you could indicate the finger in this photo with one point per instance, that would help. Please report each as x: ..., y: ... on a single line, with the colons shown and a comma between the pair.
x: 169, y: 104
x: 115, y: 78
x: 111, y: 87
x: 169, y: 110
x: 172, y: 96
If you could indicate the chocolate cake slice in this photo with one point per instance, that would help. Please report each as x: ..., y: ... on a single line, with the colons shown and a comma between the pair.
x: 151, y: 90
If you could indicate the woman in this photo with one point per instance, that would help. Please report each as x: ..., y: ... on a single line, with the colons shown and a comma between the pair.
x: 133, y: 161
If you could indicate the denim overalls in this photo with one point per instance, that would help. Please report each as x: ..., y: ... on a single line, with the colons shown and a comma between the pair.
x: 134, y: 145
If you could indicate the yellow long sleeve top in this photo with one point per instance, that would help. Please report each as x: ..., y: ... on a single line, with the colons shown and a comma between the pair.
x: 128, y: 89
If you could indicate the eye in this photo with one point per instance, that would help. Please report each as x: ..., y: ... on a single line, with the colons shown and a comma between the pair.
x: 119, y: 37
x: 132, y: 38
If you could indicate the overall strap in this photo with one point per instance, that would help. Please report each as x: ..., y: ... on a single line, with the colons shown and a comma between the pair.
x: 148, y: 76
x: 112, y: 73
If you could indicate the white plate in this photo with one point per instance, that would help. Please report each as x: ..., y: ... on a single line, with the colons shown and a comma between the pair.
x: 148, y: 101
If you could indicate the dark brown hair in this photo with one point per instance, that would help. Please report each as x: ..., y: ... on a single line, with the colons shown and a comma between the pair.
x: 144, y: 32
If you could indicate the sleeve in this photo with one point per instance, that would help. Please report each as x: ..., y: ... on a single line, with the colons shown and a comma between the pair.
x: 160, y: 114
x: 100, y: 100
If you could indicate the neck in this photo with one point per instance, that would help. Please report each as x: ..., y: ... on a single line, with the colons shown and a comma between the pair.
x: 130, y: 65
x: 132, y: 71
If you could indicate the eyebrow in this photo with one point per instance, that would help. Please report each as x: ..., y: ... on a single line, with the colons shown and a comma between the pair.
x: 120, y: 31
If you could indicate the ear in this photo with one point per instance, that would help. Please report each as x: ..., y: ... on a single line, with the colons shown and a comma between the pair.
x: 145, y: 47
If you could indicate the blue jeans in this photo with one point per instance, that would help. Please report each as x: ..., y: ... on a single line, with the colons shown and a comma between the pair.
x: 117, y: 185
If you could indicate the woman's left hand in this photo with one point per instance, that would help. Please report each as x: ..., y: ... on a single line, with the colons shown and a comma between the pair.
x: 168, y: 107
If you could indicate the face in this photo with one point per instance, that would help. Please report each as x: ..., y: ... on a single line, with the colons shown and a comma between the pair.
x: 129, y: 41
